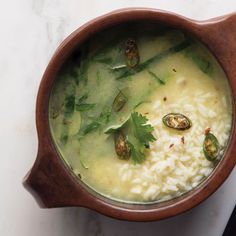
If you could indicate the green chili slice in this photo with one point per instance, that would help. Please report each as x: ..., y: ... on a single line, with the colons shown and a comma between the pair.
x: 211, y: 147
x: 122, y: 147
x: 131, y: 53
x: 119, y: 102
x: 177, y: 121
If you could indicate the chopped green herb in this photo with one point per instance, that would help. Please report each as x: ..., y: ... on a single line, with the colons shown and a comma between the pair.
x: 200, y: 61
x: 172, y: 50
x: 82, y: 98
x: 85, y: 106
x: 142, y: 130
x: 139, y: 104
x: 98, y: 122
x: 203, y: 64
x: 137, y: 155
x: 91, y: 127
x: 139, y: 134
x: 69, y: 109
x: 69, y: 104
x: 82, y: 106
x: 139, y: 137
x: 156, y: 77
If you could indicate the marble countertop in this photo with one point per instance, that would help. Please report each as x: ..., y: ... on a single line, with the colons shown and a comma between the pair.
x: 31, y: 30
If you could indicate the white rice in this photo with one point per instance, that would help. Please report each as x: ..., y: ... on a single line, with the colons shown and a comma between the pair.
x: 170, y: 171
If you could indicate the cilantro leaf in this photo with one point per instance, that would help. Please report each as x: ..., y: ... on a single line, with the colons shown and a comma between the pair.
x: 136, y: 154
x: 138, y: 133
x: 142, y: 131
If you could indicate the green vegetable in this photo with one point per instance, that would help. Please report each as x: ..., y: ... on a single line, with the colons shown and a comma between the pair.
x: 82, y: 106
x: 200, y: 61
x: 119, y: 102
x: 122, y: 147
x: 172, y: 50
x: 138, y: 133
x: 98, y: 122
x: 131, y: 53
x: 113, y: 128
x: 138, y: 155
x: 156, y: 77
x: 140, y: 136
x: 82, y: 98
x: 204, y: 65
x: 211, y: 147
x: 142, y: 130
x: 91, y: 127
x: 139, y: 103
x: 85, y: 106
x: 69, y: 105
x: 104, y: 116
x: 69, y: 110
x: 177, y: 121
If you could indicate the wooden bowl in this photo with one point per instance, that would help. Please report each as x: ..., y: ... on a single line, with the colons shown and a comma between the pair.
x: 53, y: 184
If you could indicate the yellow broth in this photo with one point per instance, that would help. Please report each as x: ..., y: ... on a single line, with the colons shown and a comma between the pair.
x: 175, y: 77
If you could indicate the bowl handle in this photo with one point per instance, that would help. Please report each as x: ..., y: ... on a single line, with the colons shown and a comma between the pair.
x: 220, y: 36
x: 52, y: 184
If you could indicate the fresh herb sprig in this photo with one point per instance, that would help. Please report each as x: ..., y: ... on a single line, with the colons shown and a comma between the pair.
x: 138, y: 135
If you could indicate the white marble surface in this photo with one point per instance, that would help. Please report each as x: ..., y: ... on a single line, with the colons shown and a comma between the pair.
x: 30, y: 32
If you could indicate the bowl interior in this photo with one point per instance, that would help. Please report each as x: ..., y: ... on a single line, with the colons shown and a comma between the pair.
x: 109, y: 35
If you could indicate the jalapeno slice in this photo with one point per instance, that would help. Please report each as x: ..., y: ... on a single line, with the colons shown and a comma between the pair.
x: 131, y: 53
x: 177, y: 121
x: 119, y: 102
x: 211, y: 147
x: 121, y: 146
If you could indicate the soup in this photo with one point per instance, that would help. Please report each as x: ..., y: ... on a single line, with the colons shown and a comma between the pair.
x: 141, y: 116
